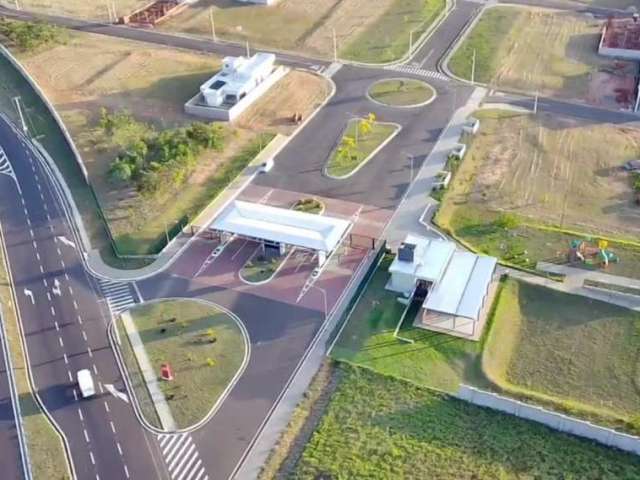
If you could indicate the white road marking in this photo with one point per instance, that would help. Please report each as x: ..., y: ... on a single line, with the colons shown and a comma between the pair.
x: 93, y: 460
x: 95, y: 369
x: 126, y: 471
x: 115, y: 392
x: 66, y: 360
x: 75, y: 395
x: 84, y: 335
x: 106, y: 406
x: 29, y: 294
x: 41, y: 269
x: 113, y: 427
x: 75, y: 305
x: 119, y: 448
x: 70, y: 376
x: 79, y: 319
x: 61, y: 342
x: 56, y: 288
x: 53, y: 310
x: 57, y: 326
x: 65, y: 241
x: 48, y: 296
x: 86, y: 435
x: 80, y: 415
x: 90, y: 352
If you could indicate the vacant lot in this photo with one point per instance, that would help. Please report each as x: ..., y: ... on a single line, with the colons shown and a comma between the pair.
x: 365, y: 31
x: 546, y: 170
x: 434, y: 359
x: 298, y: 92
x: 377, y: 427
x: 552, y: 53
x: 569, y: 348
x: 94, y: 10
x: 203, y: 345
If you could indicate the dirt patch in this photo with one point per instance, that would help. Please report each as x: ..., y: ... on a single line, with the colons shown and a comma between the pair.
x: 557, y: 170
x: 298, y: 92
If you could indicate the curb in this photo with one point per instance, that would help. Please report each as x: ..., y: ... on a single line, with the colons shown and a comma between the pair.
x: 397, y: 130
x: 416, y: 105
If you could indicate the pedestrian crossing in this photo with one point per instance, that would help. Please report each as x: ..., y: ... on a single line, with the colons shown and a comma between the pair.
x: 119, y: 295
x: 327, y: 71
x: 5, y: 166
x: 417, y: 70
x: 182, y: 457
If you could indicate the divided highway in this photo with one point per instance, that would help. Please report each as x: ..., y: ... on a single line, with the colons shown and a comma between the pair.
x: 64, y: 324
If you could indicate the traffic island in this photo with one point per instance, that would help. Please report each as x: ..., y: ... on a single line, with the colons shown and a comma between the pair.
x: 262, y: 266
x: 361, y: 140
x: 182, y: 357
x: 402, y: 92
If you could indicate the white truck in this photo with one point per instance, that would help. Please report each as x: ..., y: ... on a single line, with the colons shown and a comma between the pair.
x: 85, y: 383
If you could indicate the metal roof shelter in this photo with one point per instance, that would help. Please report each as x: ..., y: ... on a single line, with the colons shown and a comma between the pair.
x: 462, y: 289
x: 284, y: 226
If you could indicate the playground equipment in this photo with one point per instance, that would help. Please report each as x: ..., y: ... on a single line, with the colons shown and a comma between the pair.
x: 586, y: 252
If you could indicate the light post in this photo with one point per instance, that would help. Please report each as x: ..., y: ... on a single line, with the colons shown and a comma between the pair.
x: 335, y: 46
x: 16, y: 101
x: 213, y: 26
x: 324, y: 298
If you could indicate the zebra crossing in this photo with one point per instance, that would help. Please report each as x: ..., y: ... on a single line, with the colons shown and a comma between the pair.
x: 182, y: 457
x: 118, y: 295
x: 5, y: 166
x: 417, y: 70
x: 327, y: 71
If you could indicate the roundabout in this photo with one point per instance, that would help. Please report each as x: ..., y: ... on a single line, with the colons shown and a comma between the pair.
x: 401, y: 93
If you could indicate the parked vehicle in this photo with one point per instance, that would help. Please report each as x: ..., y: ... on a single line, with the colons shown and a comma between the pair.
x: 632, y: 166
x: 85, y: 383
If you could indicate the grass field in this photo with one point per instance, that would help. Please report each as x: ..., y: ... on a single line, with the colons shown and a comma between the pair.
x: 76, y: 8
x: 388, y: 38
x: 92, y: 72
x: 547, y: 170
x: 342, y: 164
x: 574, y: 350
x: 204, y: 347
x: 377, y: 427
x: 533, y: 50
x: 46, y: 452
x: 402, y: 92
x: 435, y: 360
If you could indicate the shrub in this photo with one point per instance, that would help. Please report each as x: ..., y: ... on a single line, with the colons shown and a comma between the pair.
x: 508, y: 221
x: 31, y: 35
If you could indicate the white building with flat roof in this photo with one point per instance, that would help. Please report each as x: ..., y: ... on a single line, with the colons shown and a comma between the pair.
x: 455, y: 285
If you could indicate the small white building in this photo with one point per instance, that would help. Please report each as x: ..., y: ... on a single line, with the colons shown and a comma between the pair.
x: 455, y: 286
x: 238, y: 77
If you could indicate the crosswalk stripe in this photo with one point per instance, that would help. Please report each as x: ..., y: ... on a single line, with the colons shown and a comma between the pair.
x: 416, y: 70
x: 181, y: 456
x: 118, y: 295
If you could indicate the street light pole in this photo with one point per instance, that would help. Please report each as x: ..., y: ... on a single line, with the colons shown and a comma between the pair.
x: 213, y: 25
x: 248, y: 50
x: 535, y: 104
x: 335, y: 46
x: 473, y: 67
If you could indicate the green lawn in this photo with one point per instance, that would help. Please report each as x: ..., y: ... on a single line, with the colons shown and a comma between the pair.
x: 343, y: 162
x: 309, y: 205
x: 377, y: 427
x: 569, y: 348
x: 183, y: 204
x: 485, y: 39
x: 435, y: 360
x: 204, y: 347
x: 260, y: 268
x: 401, y: 92
x: 388, y: 38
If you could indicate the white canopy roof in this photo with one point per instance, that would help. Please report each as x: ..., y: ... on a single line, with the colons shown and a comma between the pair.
x: 463, y: 287
x: 306, y: 230
x: 430, y: 258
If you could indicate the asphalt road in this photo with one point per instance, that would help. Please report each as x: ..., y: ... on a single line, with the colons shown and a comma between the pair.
x: 10, y: 454
x: 65, y: 327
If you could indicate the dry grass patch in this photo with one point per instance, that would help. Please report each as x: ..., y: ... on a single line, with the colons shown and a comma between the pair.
x: 298, y: 92
x: 290, y: 25
x: 541, y: 50
x: 93, y: 10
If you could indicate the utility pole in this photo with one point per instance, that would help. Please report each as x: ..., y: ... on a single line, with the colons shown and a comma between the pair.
x: 16, y: 101
x: 213, y: 25
x: 248, y: 51
x: 335, y: 45
x: 473, y: 67
x: 535, y: 104
x: 115, y: 12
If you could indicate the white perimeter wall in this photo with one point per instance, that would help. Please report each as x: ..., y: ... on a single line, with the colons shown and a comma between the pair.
x: 557, y: 421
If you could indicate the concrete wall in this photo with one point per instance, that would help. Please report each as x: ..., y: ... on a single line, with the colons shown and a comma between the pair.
x: 557, y: 421
x: 196, y: 106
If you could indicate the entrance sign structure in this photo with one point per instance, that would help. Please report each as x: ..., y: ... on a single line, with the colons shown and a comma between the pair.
x: 282, y: 227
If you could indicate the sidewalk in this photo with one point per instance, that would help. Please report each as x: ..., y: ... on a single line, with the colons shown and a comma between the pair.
x: 408, y: 216
x: 150, y: 378
x: 171, y: 252
x: 574, y: 284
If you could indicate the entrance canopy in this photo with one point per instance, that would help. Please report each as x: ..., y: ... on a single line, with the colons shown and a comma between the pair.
x: 282, y: 225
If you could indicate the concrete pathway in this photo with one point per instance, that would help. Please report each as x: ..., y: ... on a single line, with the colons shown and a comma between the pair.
x: 181, y: 242
x: 412, y: 215
x: 150, y: 377
x: 574, y: 284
